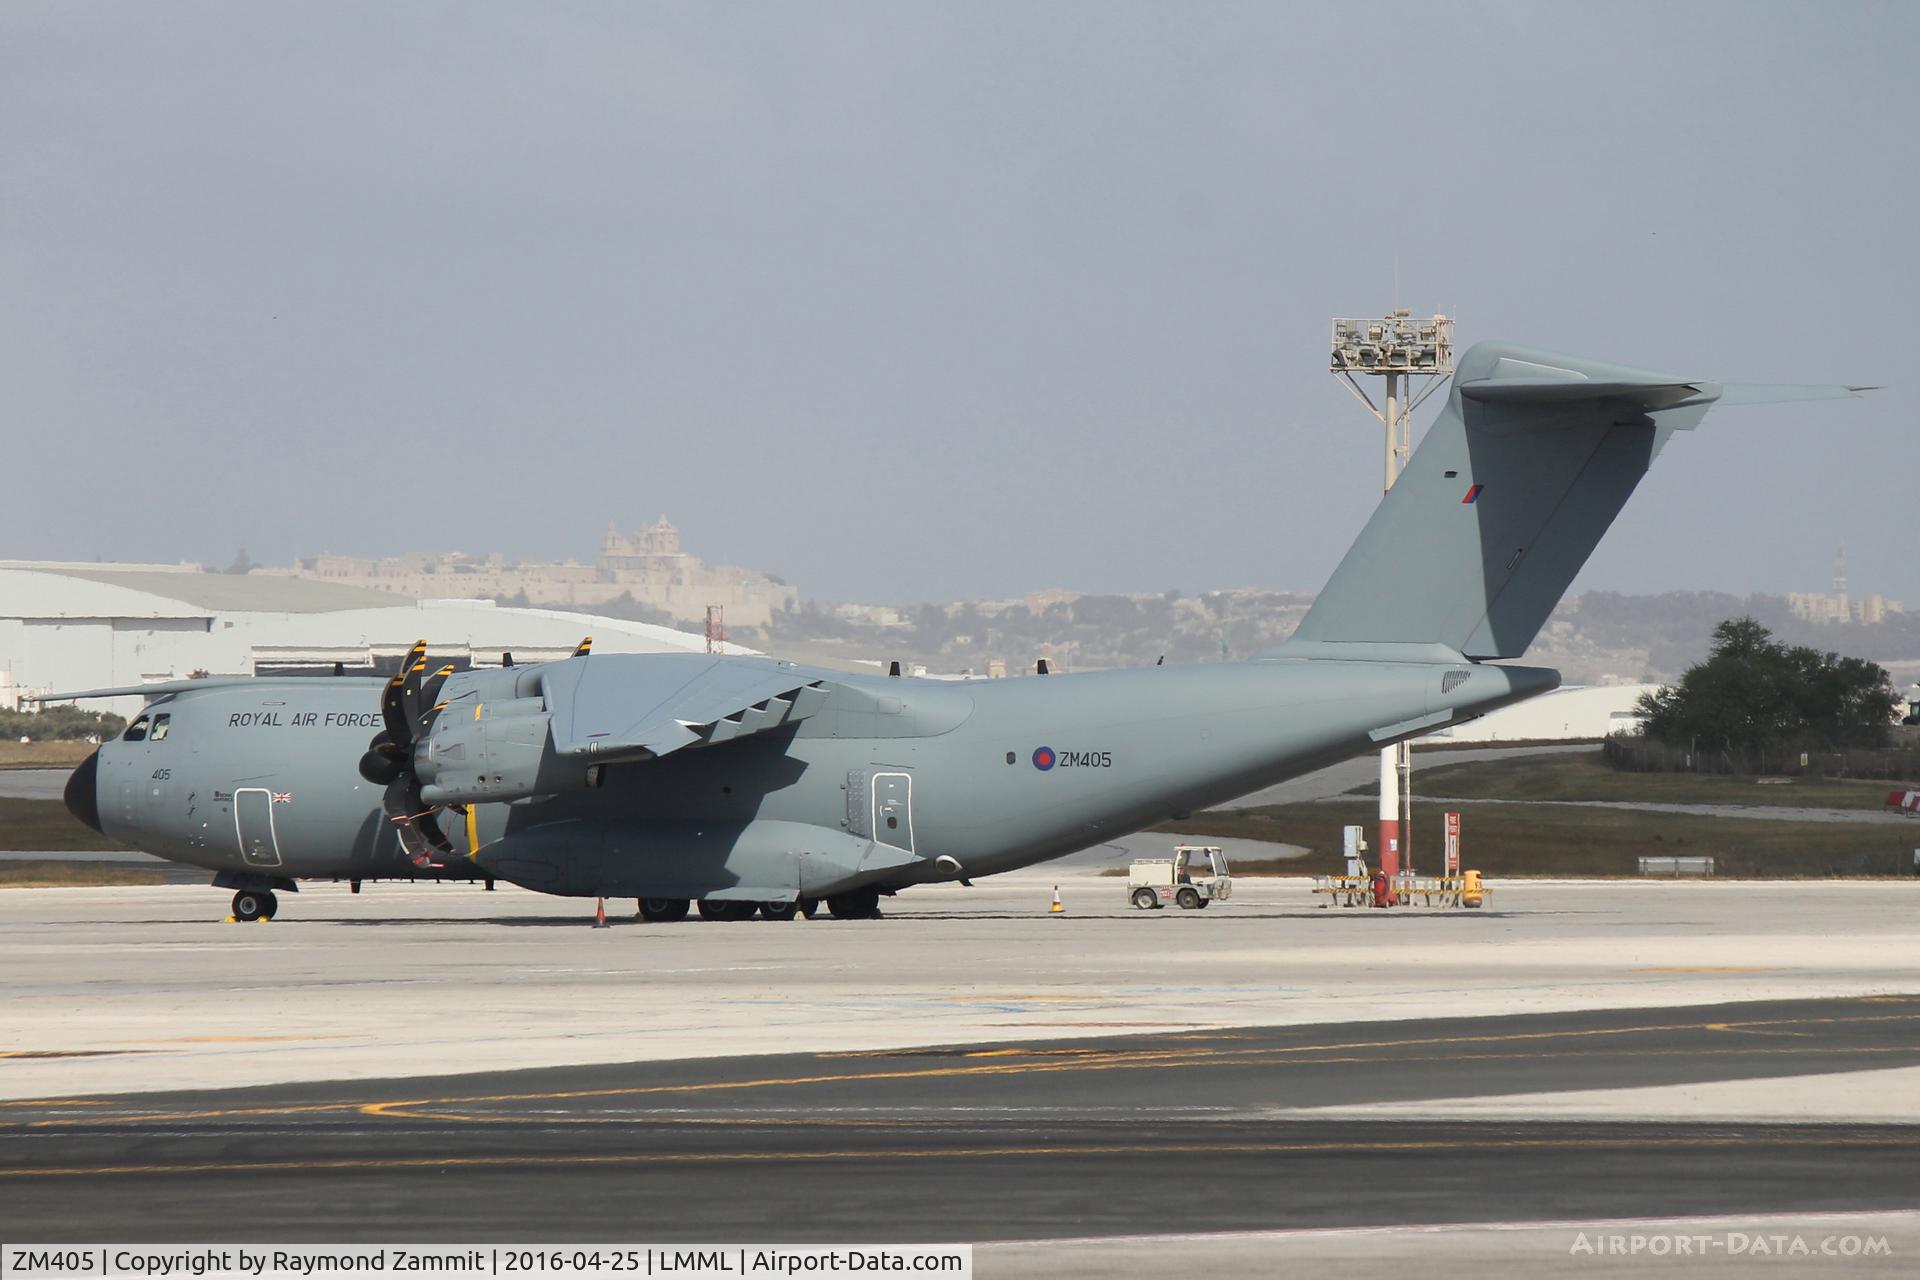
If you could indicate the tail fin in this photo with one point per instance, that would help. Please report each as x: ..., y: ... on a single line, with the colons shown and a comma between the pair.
x: 1504, y: 500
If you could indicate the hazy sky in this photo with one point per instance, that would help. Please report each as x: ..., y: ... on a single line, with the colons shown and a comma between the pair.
x: 919, y: 302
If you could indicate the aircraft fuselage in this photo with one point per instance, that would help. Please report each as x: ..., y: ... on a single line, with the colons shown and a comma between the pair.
x: 894, y: 782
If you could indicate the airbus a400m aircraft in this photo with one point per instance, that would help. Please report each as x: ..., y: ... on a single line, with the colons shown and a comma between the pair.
x: 753, y: 785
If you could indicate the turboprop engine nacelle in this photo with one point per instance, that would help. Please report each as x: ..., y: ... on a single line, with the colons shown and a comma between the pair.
x: 499, y: 753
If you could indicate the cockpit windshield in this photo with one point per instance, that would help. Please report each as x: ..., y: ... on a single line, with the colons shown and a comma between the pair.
x: 148, y: 728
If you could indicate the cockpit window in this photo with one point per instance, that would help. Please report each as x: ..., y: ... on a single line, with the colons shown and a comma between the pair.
x: 137, y: 731
x: 161, y: 727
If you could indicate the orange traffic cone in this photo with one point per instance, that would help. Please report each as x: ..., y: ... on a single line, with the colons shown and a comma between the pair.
x: 600, y: 914
x: 1058, y: 908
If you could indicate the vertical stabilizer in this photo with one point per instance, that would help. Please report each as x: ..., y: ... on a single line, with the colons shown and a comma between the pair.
x: 1504, y: 500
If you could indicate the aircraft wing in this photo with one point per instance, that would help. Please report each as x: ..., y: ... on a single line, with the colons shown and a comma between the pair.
x: 609, y: 709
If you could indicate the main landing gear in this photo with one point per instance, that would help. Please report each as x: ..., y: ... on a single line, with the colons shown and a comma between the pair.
x: 855, y: 904
x: 255, y: 904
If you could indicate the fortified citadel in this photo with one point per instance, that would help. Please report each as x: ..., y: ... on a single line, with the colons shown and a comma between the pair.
x: 647, y: 566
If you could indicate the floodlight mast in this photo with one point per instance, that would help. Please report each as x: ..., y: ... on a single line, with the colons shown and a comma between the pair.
x: 1398, y: 349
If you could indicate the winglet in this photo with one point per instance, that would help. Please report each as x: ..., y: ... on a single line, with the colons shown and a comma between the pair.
x: 585, y: 648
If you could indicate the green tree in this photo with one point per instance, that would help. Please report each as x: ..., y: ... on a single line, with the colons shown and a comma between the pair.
x: 59, y: 724
x: 1754, y: 692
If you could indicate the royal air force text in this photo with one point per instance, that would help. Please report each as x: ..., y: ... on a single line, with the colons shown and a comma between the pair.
x: 304, y: 720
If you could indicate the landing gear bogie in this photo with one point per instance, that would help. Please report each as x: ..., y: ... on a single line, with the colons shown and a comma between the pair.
x: 855, y: 904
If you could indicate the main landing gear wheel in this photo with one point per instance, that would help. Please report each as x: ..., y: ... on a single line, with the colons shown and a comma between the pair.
x: 254, y: 904
x: 664, y: 910
x: 855, y: 904
x: 727, y: 910
x: 779, y: 910
x: 808, y: 907
x: 1146, y: 899
x: 1188, y: 898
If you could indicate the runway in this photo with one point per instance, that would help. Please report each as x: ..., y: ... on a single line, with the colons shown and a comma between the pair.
x: 424, y: 1062
x: 1212, y: 1130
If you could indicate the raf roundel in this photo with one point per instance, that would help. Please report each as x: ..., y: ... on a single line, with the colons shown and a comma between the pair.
x: 1043, y: 758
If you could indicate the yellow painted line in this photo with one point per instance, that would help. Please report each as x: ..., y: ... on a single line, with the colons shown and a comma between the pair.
x: 232, y: 1039
x: 473, y: 826
x: 1813, y: 1138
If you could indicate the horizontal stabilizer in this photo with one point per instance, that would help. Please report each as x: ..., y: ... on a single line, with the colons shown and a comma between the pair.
x: 1543, y: 391
x: 1785, y: 392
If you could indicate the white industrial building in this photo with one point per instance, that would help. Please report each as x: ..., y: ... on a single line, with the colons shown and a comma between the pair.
x: 1577, y: 713
x: 88, y: 626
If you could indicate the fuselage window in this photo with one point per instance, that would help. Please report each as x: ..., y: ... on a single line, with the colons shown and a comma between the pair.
x: 161, y: 727
x: 137, y: 731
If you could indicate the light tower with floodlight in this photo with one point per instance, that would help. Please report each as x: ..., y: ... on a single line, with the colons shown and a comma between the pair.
x: 1399, y: 349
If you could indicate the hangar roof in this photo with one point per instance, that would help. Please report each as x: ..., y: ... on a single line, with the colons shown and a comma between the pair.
x: 283, y: 617
x: 54, y: 589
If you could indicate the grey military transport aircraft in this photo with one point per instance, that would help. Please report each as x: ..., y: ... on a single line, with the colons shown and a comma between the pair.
x: 750, y: 785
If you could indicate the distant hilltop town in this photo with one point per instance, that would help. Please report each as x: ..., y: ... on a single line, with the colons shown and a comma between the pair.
x: 647, y: 567
x: 1836, y: 606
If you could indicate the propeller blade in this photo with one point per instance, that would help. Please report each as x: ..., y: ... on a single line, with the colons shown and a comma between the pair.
x: 393, y: 711
x: 413, y: 820
x: 430, y: 699
x: 381, y: 764
x: 416, y: 679
x: 427, y: 825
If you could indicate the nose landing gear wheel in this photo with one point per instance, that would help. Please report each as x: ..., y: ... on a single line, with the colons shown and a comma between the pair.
x: 252, y: 904
x: 1146, y: 899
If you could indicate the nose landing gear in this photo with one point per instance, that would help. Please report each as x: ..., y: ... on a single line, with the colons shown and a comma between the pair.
x: 254, y: 904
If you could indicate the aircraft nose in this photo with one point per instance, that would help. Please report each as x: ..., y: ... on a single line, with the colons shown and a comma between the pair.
x: 83, y: 792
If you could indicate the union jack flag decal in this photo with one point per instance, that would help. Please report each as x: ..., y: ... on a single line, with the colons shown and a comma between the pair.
x: 283, y: 797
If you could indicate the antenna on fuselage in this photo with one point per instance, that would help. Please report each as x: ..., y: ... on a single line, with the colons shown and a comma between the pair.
x: 506, y: 657
x: 1040, y: 668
